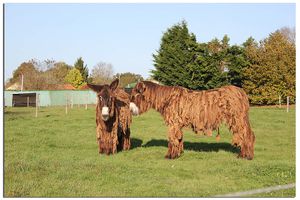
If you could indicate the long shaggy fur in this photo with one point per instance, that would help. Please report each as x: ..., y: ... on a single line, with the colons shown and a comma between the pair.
x: 124, y: 118
x: 203, y: 111
x: 114, y: 134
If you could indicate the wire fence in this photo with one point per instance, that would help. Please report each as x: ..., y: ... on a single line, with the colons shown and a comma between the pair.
x: 258, y: 191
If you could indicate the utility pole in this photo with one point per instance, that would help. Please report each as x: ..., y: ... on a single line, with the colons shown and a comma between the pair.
x: 22, y: 81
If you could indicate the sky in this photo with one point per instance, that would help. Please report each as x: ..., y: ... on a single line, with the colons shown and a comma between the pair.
x: 126, y: 35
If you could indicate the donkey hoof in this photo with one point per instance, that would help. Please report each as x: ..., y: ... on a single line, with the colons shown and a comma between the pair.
x: 245, y: 157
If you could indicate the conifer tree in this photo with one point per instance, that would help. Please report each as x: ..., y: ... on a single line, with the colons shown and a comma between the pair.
x: 174, y: 61
x: 79, y: 64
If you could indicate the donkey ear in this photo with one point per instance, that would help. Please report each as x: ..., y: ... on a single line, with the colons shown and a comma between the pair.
x: 141, y: 87
x: 96, y: 88
x: 114, y: 84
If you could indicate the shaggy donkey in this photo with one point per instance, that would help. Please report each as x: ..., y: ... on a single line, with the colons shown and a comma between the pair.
x: 113, y: 118
x: 203, y: 111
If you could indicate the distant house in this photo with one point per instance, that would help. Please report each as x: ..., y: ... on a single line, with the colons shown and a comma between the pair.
x: 129, y: 87
x: 154, y: 81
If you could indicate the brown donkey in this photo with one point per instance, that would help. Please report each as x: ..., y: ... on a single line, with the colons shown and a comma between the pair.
x: 202, y: 111
x: 113, y: 118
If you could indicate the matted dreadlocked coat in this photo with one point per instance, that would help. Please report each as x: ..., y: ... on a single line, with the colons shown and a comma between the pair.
x: 113, y: 118
x: 203, y: 111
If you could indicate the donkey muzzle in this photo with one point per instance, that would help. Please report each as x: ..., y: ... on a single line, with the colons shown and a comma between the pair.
x: 134, y: 109
x: 105, y: 113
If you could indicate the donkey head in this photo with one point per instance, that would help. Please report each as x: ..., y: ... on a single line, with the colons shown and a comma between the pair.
x: 106, y: 98
x: 138, y: 100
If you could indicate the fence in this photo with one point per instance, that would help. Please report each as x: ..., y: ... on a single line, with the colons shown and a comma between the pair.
x: 49, y: 97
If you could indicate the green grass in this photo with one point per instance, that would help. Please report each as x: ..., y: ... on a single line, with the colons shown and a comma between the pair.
x: 55, y: 155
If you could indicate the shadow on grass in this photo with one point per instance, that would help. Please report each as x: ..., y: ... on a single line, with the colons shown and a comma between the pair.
x: 135, y: 143
x: 197, y: 146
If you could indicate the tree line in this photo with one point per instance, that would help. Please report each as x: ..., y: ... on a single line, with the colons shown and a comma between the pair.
x: 49, y: 75
x: 264, y: 69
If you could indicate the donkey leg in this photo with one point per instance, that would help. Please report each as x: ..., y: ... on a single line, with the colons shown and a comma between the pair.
x: 100, y: 135
x: 247, y: 145
x: 126, y: 137
x: 175, y: 145
x: 107, y: 144
x: 244, y: 138
x: 100, y: 150
x: 218, y: 136
x: 102, y: 147
x: 120, y: 142
x: 124, y: 140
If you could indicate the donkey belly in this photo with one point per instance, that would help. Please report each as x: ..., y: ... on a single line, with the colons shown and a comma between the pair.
x: 207, y: 119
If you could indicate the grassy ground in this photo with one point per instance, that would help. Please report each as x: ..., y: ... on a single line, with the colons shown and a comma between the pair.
x: 55, y: 155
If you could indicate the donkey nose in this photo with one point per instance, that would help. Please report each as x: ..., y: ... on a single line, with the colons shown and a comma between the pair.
x: 105, y: 110
x: 133, y: 108
x: 105, y: 117
x: 105, y: 113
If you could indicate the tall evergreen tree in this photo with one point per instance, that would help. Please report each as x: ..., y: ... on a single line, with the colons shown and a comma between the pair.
x: 174, y: 61
x: 207, y: 73
x: 218, y: 61
x: 182, y: 61
x: 79, y: 64
x: 236, y: 63
x: 225, y: 64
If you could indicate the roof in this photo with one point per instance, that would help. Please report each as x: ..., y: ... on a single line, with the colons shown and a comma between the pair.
x: 64, y: 87
x: 130, y: 85
x: 16, y: 86
x: 84, y: 87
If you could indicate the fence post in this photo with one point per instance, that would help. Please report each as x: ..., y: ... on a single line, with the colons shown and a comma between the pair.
x: 39, y: 105
x: 86, y: 100
x: 27, y: 101
x: 72, y: 101
x: 36, y: 105
x: 66, y: 104
x: 279, y: 101
x: 287, y: 103
x: 78, y: 101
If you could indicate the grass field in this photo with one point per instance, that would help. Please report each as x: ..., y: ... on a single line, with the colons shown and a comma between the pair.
x: 55, y: 155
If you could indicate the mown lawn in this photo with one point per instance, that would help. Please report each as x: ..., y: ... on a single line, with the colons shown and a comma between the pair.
x: 55, y: 155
